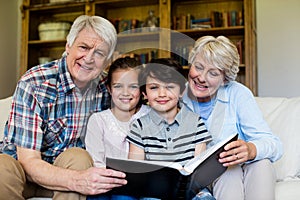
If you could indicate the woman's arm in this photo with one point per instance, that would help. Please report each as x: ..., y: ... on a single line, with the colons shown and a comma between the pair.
x: 256, y: 140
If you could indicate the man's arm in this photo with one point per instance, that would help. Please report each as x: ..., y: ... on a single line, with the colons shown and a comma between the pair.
x: 88, y: 182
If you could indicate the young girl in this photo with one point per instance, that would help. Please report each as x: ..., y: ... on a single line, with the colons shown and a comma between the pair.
x: 107, y: 130
x: 168, y: 132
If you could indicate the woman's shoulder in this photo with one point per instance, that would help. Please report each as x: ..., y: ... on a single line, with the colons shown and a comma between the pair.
x: 236, y: 85
x: 234, y: 88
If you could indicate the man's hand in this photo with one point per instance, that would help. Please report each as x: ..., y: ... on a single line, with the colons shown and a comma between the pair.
x: 98, y: 180
x: 237, y: 152
x: 90, y: 181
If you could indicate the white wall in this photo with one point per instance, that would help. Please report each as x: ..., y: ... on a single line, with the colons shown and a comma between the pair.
x: 278, y: 46
x: 9, y: 45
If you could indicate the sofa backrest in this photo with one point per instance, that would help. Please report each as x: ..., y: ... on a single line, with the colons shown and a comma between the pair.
x: 4, y: 111
x: 283, y: 116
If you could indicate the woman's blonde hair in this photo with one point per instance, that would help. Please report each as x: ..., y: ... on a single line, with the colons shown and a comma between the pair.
x: 219, y: 52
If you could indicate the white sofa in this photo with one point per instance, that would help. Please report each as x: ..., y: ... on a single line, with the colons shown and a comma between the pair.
x: 283, y: 116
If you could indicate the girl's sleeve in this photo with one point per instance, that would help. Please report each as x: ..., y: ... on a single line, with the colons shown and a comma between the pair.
x: 94, y: 139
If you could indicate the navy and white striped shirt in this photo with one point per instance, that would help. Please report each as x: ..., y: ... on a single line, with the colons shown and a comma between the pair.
x: 169, y: 142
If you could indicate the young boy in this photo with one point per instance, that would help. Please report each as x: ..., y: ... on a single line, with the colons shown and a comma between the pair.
x: 168, y: 132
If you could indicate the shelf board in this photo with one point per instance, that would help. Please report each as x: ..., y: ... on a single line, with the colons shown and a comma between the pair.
x: 130, y: 37
x: 47, y: 42
x: 141, y: 36
x: 201, y: 1
x: 232, y: 30
x: 53, y: 6
x: 126, y: 3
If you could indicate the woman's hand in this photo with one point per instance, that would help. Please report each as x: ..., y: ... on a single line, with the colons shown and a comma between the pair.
x: 237, y: 152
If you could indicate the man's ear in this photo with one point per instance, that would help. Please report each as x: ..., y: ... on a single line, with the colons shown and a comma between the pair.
x: 67, y: 48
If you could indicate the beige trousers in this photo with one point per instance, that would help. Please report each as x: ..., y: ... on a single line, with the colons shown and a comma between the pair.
x: 252, y: 181
x: 13, y: 184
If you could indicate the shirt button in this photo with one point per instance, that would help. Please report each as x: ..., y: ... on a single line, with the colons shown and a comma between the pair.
x: 168, y: 129
x: 169, y: 139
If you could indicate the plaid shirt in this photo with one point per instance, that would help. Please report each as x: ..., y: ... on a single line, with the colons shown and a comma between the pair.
x: 49, y: 113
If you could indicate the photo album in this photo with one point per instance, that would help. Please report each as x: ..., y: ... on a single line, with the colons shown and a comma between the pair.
x: 162, y: 180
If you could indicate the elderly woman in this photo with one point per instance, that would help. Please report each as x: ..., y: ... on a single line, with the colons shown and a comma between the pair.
x: 227, y: 107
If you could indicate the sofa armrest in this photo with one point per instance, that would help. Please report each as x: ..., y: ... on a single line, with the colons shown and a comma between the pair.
x: 5, y: 105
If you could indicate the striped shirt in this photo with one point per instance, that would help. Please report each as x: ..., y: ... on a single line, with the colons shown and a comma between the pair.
x: 49, y: 112
x: 169, y: 142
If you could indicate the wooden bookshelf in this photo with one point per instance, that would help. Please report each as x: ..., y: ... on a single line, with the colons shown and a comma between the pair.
x: 163, y: 41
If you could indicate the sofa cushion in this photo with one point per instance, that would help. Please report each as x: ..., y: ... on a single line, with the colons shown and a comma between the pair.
x: 287, y: 190
x: 4, y: 109
x: 283, y: 116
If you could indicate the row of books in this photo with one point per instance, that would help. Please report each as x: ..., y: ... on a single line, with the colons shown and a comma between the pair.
x: 181, y: 52
x: 142, y: 57
x: 130, y: 25
x: 216, y: 19
x: 123, y: 25
x: 225, y: 19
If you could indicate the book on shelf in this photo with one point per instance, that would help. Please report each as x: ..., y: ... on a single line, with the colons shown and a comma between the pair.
x: 216, y: 19
x: 200, y: 26
x: 225, y: 19
x: 201, y: 20
x: 124, y: 25
x: 239, y: 46
x: 189, y: 19
x: 163, y: 179
x: 201, y: 23
x: 233, y: 18
x: 181, y: 53
x: 240, y: 18
x: 183, y: 24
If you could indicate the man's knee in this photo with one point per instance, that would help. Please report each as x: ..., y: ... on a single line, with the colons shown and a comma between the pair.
x: 74, y: 158
x: 12, y: 178
x: 10, y: 167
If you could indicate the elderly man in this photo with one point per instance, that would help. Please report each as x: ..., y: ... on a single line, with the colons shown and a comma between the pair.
x: 50, y: 107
